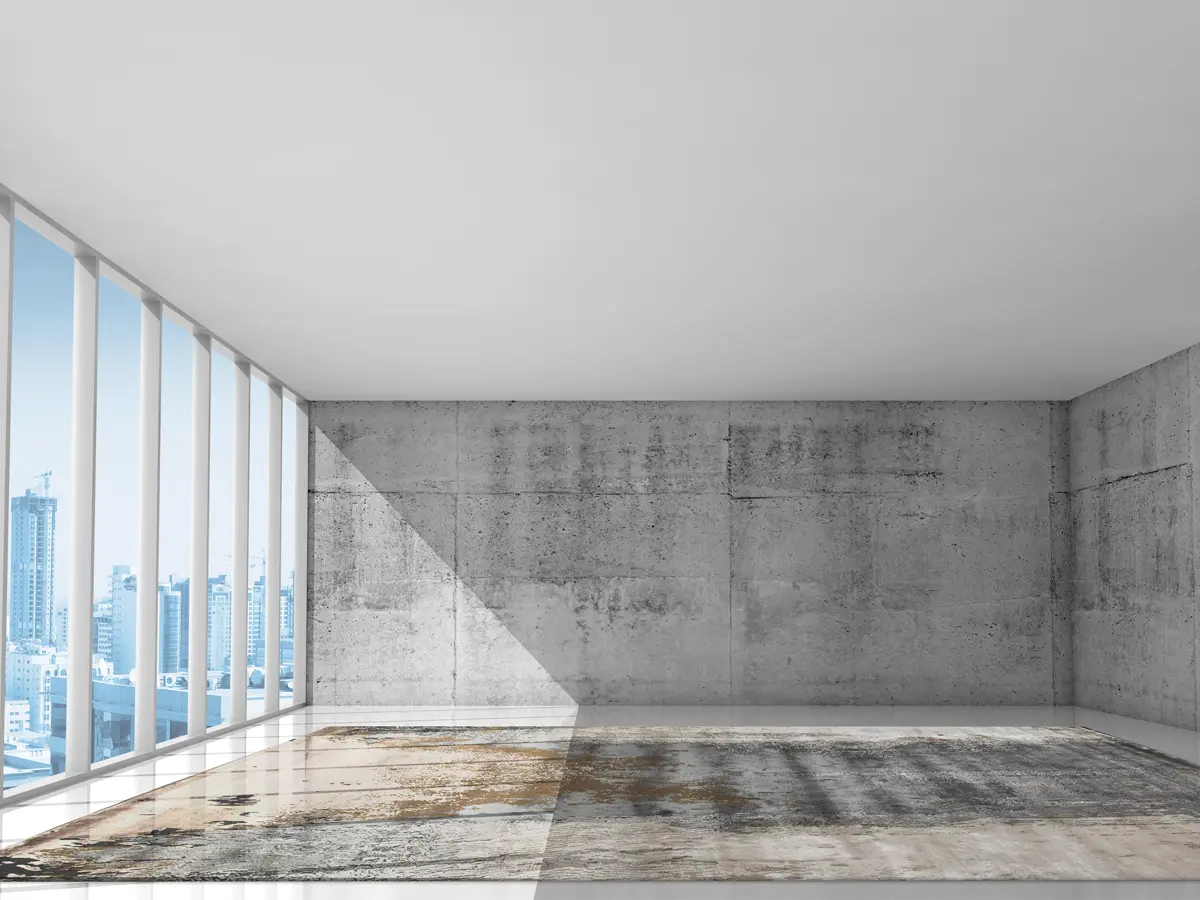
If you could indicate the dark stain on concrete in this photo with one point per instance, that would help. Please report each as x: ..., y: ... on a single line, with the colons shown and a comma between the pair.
x: 234, y: 800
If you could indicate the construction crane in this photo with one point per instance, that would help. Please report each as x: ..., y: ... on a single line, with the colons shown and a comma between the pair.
x: 260, y: 557
x: 45, y: 479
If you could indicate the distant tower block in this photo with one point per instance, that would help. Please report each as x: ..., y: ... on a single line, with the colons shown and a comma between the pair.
x: 31, y: 617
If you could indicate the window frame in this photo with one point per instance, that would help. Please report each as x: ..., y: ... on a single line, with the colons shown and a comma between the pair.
x: 90, y: 266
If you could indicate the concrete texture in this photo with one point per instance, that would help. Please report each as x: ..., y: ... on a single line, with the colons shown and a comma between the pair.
x: 602, y: 640
x: 367, y: 441
x: 1062, y: 576
x: 385, y: 618
x: 892, y: 553
x: 1131, y: 426
x: 557, y: 536
x: 925, y: 449
x: 593, y: 448
x: 1133, y: 518
x: 689, y: 553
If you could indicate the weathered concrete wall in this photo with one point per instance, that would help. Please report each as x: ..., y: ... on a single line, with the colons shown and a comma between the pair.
x: 528, y: 553
x: 893, y: 553
x: 1133, y: 512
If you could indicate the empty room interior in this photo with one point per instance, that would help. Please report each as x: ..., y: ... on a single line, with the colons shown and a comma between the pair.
x: 562, y: 448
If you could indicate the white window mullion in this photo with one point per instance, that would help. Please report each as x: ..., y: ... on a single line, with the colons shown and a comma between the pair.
x: 7, y: 231
x: 149, y: 443
x: 198, y: 575
x: 300, y: 598
x: 241, y: 541
x: 83, y: 518
x: 274, y: 543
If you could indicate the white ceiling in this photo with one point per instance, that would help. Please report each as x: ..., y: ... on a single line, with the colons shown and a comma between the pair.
x: 633, y: 199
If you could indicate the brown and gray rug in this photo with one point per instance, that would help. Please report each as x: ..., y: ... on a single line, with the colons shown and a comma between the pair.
x: 646, y: 803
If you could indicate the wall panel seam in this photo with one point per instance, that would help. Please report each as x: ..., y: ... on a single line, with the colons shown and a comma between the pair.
x: 457, y: 591
x: 1120, y: 478
x: 729, y: 514
x: 1194, y: 459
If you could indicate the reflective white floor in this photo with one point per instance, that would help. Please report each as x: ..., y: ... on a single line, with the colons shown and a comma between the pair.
x: 27, y: 819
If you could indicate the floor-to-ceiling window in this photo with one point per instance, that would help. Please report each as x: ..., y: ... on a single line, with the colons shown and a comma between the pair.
x: 257, y: 600
x: 114, y: 609
x: 220, y: 530
x: 174, y: 530
x: 39, y: 488
x: 140, y: 498
x: 287, y: 567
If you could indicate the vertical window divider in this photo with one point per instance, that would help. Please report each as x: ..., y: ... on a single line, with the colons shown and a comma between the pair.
x: 198, y: 577
x: 300, y: 595
x: 7, y: 243
x: 81, y: 526
x: 83, y: 515
x: 149, y: 443
x: 274, y: 544
x: 239, y: 636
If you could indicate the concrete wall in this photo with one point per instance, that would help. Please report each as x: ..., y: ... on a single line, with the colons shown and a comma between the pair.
x: 1134, y: 445
x: 896, y: 553
x: 529, y: 553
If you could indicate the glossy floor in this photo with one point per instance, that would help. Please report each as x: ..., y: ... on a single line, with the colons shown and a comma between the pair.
x: 20, y: 822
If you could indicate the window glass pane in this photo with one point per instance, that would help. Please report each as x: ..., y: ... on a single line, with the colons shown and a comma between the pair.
x: 39, y: 481
x: 174, y: 531
x: 257, y: 600
x: 114, y: 615
x: 287, y: 556
x: 220, y: 535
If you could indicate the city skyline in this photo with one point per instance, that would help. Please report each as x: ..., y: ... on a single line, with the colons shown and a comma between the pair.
x: 40, y: 498
x: 35, y: 695
x: 43, y: 290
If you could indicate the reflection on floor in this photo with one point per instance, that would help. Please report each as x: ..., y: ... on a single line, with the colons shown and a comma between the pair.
x: 650, y: 802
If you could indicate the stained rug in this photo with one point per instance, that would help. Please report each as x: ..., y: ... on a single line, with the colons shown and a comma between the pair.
x: 651, y: 803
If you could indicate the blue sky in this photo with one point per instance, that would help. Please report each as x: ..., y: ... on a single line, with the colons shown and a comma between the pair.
x: 43, y: 292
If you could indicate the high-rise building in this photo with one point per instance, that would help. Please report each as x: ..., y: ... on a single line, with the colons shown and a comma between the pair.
x: 102, y: 629
x: 170, y: 628
x: 220, y: 623
x: 60, y: 625
x: 183, y: 587
x: 257, y: 640
x: 124, y: 620
x: 31, y: 607
x: 287, y: 609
